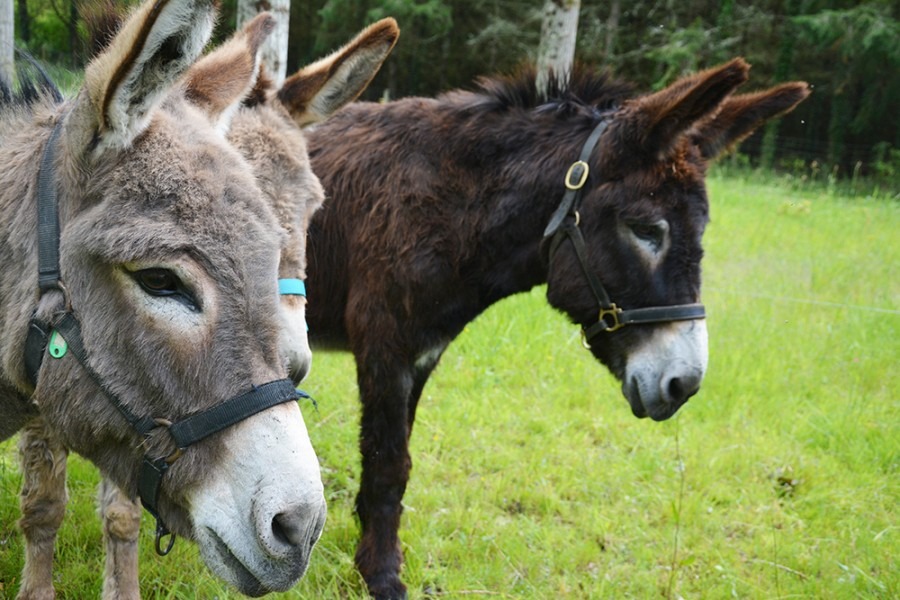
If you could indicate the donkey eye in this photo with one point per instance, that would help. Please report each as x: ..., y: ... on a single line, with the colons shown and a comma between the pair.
x: 157, y: 282
x: 164, y: 283
x: 653, y: 233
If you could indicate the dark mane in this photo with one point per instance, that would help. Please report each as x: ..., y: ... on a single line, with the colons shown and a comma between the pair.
x: 33, y: 85
x: 587, y: 88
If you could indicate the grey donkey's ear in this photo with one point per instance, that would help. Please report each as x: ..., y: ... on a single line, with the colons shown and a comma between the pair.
x: 123, y: 85
x: 219, y: 81
x: 316, y: 91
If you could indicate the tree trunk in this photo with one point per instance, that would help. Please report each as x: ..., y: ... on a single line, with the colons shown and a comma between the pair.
x: 7, y: 40
x: 612, y: 29
x: 557, y: 47
x: 275, y: 49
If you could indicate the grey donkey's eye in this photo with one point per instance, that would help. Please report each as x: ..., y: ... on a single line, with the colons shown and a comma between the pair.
x: 164, y: 283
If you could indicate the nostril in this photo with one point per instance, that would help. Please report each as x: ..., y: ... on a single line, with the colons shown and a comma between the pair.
x: 679, y: 389
x: 297, y: 527
x: 289, y: 528
x: 676, y: 390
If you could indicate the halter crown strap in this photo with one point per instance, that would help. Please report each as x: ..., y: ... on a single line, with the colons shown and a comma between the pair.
x: 48, y: 219
x: 576, y: 177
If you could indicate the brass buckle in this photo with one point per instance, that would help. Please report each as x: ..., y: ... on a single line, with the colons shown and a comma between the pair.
x: 584, y: 340
x: 178, y: 451
x: 613, y: 311
x: 585, y: 169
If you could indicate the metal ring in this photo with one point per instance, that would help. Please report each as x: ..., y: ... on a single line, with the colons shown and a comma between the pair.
x: 162, y: 532
x: 585, y: 169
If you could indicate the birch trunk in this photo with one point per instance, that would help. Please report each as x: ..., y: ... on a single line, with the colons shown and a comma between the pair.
x: 7, y: 41
x: 556, y: 51
x: 275, y: 49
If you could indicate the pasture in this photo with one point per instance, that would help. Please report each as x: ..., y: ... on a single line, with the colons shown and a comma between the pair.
x: 531, y: 478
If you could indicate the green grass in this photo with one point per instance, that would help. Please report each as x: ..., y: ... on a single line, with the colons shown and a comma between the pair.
x: 531, y: 479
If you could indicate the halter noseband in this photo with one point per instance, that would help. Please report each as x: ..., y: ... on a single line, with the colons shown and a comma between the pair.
x: 564, y: 223
x: 61, y: 334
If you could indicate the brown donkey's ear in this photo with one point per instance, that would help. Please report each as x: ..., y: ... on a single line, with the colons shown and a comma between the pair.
x: 224, y: 77
x: 739, y: 116
x: 154, y: 47
x: 317, y: 90
x: 652, y: 124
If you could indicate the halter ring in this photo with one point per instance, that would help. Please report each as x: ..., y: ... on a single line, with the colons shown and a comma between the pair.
x: 613, y: 312
x: 579, y: 166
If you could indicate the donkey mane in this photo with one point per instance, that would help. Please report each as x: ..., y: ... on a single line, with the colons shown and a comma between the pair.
x: 586, y: 90
x: 34, y: 86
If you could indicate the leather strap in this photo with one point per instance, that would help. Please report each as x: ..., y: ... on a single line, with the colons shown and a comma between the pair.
x: 48, y: 219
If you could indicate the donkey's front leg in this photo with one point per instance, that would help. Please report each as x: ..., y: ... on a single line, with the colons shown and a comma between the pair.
x: 384, y: 391
x: 43, y: 505
x: 121, y: 528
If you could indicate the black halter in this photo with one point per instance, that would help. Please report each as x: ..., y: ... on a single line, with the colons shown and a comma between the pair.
x: 564, y: 225
x: 45, y: 334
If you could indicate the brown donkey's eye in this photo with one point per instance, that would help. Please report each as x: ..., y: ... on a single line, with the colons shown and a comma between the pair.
x: 654, y: 233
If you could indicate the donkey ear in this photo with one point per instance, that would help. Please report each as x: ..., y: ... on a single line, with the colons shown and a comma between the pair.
x: 219, y: 81
x: 316, y: 91
x: 739, y: 116
x: 154, y: 47
x: 658, y: 119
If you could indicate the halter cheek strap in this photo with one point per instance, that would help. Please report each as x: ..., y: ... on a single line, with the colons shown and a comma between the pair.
x: 61, y: 335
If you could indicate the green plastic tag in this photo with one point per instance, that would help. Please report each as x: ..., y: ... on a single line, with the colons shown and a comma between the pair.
x: 57, y: 345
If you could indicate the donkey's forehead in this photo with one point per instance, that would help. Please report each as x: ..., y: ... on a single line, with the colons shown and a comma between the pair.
x: 186, y: 187
x: 187, y: 167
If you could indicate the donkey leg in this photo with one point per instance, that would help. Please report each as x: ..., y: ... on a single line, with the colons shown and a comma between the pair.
x: 420, y: 378
x: 121, y: 527
x: 384, y: 392
x: 43, y: 505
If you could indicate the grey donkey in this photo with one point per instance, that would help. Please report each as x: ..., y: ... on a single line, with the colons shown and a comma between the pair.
x: 157, y: 316
x: 267, y: 130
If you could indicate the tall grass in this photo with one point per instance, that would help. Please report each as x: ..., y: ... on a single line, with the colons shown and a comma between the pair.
x: 531, y: 478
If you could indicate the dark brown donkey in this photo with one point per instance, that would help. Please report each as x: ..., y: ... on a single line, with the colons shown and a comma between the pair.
x: 437, y: 208
x: 139, y: 305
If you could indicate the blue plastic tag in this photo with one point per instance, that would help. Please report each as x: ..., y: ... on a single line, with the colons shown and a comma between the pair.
x: 292, y: 287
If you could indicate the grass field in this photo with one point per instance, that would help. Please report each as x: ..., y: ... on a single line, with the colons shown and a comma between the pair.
x: 531, y: 479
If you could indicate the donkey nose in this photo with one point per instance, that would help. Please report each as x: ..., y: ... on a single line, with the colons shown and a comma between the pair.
x: 291, y: 529
x: 676, y: 389
x: 299, y: 526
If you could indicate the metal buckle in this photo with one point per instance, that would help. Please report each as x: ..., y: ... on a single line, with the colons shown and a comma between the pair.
x: 613, y: 311
x: 584, y: 341
x: 178, y: 451
x: 585, y: 169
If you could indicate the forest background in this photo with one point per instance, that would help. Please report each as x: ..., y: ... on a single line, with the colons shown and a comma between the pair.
x: 848, y: 51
